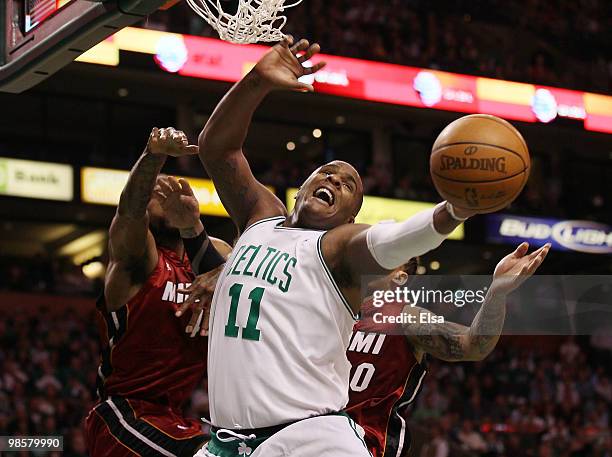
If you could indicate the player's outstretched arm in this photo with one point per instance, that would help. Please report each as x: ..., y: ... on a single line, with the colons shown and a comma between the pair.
x: 131, y: 246
x: 223, y: 136
x: 454, y: 342
x: 356, y: 250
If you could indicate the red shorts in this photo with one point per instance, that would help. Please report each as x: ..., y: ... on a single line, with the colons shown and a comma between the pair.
x: 118, y: 427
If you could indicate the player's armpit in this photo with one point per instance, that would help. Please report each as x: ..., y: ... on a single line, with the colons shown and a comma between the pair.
x: 346, y: 254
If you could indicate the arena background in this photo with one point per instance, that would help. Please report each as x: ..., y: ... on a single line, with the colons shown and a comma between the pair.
x: 535, y: 395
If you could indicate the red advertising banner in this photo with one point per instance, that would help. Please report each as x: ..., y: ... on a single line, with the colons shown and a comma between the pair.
x: 214, y: 59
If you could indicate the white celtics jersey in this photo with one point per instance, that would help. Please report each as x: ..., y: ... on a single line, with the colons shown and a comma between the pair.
x: 279, y: 329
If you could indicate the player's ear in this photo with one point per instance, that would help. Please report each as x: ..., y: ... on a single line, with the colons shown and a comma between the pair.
x: 400, y: 278
x: 351, y: 220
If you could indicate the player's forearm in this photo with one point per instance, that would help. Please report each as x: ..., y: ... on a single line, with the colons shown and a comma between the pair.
x: 228, y: 126
x: 200, y: 250
x: 488, y: 325
x: 393, y: 244
x: 137, y: 192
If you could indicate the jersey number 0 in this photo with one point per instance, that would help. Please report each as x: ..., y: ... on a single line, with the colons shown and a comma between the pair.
x: 250, y: 332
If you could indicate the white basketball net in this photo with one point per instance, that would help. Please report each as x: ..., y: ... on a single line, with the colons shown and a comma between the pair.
x: 255, y: 20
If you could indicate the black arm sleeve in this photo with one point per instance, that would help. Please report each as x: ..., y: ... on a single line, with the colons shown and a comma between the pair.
x: 202, y: 254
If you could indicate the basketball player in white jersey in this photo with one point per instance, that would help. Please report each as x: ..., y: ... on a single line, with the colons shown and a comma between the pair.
x: 287, y: 299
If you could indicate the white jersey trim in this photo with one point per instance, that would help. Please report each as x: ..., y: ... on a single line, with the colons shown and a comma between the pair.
x: 260, y: 221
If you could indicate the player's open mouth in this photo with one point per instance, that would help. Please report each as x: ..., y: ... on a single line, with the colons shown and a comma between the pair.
x: 325, y: 195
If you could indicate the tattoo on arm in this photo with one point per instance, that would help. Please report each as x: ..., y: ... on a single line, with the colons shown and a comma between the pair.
x: 227, y: 176
x: 454, y: 342
x: 488, y: 323
x: 137, y: 192
x: 446, y: 341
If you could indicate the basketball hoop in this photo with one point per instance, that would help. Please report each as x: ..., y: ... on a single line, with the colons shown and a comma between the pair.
x: 255, y: 20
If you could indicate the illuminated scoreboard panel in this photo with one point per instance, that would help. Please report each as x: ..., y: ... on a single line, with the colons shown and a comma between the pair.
x: 29, y: 23
x: 37, y: 11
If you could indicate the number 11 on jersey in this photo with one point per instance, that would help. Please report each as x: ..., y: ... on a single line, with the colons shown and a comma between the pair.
x: 250, y: 332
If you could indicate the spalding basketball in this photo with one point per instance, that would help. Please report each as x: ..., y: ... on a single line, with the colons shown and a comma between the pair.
x: 480, y: 162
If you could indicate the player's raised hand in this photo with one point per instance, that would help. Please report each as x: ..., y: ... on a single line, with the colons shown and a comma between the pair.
x: 180, y: 205
x: 171, y: 142
x: 515, y: 268
x: 199, y: 298
x: 283, y: 65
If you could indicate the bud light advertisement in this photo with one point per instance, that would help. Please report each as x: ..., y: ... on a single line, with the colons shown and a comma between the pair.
x: 580, y: 236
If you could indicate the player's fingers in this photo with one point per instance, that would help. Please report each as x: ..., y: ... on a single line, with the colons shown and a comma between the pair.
x: 537, y: 252
x: 163, y: 134
x: 186, y: 290
x: 179, y: 136
x: 316, y: 67
x: 154, y: 136
x: 521, y: 250
x: 157, y: 193
x: 185, y: 187
x: 287, y: 41
x: 197, y: 325
x: 165, y: 186
x: 310, y: 51
x: 204, y: 325
x: 535, y: 263
x: 191, y: 149
x: 196, y: 316
x: 300, y: 46
x: 302, y: 87
x: 174, y: 184
x: 187, y: 304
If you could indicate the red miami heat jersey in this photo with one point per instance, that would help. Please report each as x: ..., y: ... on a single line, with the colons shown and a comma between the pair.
x: 385, y: 377
x: 146, y: 354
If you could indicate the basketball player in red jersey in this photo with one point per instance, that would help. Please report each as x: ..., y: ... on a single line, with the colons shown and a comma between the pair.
x: 388, y: 368
x: 149, y: 366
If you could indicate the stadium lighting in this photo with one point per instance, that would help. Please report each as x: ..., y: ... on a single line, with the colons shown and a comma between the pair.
x: 93, y: 270
x: 434, y: 265
x: 317, y: 133
x: 290, y: 146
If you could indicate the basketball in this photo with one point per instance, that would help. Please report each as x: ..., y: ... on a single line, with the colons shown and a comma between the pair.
x: 480, y: 162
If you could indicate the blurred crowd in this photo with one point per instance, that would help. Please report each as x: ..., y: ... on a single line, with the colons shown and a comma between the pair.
x: 45, y: 274
x: 551, y: 42
x: 519, y: 402
x: 529, y: 398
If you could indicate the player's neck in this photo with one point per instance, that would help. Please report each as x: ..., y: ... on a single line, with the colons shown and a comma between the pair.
x: 291, y: 220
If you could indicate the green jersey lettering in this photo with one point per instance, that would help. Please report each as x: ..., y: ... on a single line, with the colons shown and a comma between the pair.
x: 256, y: 249
x: 284, y: 285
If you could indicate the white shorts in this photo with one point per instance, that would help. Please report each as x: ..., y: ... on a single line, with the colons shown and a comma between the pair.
x: 321, y: 436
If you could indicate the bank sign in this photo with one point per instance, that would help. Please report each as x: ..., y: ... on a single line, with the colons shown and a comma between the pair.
x: 30, y: 179
x: 581, y: 236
